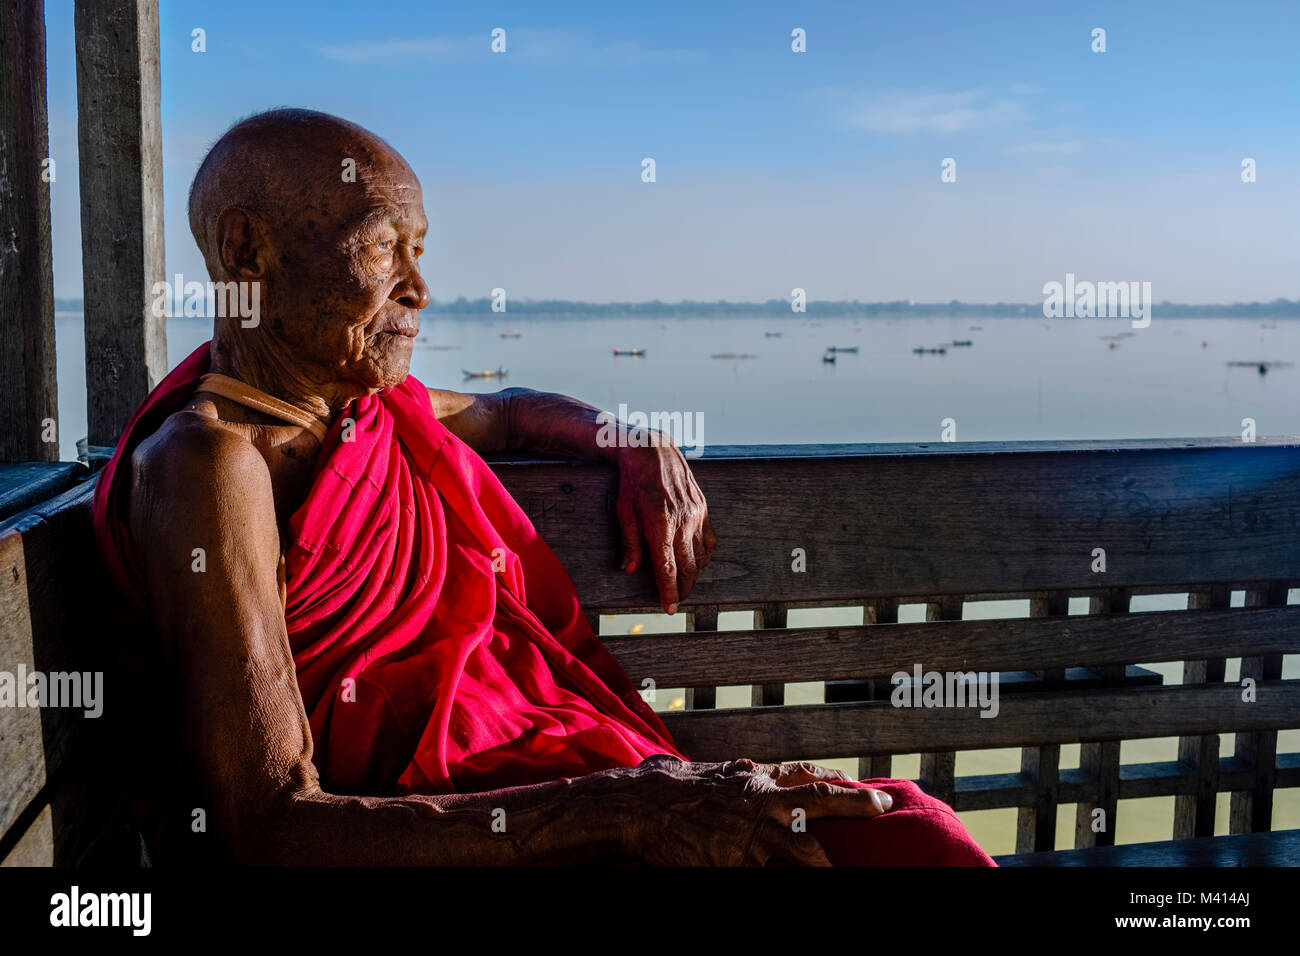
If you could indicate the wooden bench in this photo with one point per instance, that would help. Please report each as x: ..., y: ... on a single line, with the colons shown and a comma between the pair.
x: 873, y: 527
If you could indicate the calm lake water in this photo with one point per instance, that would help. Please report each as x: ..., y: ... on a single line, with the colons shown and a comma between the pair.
x: 1019, y: 379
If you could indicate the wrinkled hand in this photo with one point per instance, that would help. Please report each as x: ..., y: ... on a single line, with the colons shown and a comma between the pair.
x: 739, y: 813
x: 659, y: 501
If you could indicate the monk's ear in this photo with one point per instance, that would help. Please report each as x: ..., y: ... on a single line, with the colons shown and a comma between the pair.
x: 242, y: 244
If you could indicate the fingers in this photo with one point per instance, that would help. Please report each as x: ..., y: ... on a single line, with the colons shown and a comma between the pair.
x: 666, y: 574
x: 687, y: 569
x: 795, y: 774
x: 710, y: 541
x: 629, y: 523
x: 825, y: 799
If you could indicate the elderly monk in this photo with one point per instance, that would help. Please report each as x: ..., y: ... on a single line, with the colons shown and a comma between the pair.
x: 375, y: 657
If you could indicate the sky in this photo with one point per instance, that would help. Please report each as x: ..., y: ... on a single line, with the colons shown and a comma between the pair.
x: 773, y: 169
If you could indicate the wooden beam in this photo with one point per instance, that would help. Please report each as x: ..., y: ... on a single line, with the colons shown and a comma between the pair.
x: 1109, y: 714
x: 28, y: 393
x: 1169, y: 514
x: 878, y: 650
x: 120, y: 137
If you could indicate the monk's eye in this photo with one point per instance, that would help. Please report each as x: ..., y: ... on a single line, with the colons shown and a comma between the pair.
x: 387, y: 244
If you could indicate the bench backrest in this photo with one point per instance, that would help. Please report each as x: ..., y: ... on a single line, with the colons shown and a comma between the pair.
x: 869, y: 526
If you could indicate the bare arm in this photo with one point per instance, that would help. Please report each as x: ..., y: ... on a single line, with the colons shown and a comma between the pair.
x: 244, y: 719
x: 246, y: 729
x: 658, y: 500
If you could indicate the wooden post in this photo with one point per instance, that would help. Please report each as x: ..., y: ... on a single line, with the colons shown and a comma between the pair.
x: 702, y: 618
x: 1100, y: 760
x: 1041, y: 766
x: 120, y: 137
x: 768, y: 695
x: 938, y: 769
x: 28, y: 394
x: 880, y: 611
x: 1194, y: 812
x: 1251, y: 811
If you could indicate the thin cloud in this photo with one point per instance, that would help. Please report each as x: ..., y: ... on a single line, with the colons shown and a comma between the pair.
x: 389, y: 51
x: 1068, y: 148
x: 554, y: 47
x: 910, y: 111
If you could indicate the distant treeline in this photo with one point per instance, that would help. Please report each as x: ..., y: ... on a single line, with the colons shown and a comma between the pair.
x: 1278, y: 308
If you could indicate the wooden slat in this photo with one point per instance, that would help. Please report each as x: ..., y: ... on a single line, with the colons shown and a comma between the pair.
x: 883, y: 611
x: 1251, y: 811
x: 1171, y: 513
x: 805, y: 654
x: 700, y: 697
x: 769, y: 616
x: 119, y: 135
x: 1278, y: 849
x: 783, y: 733
x: 1166, y: 778
x: 1100, y: 759
x: 25, y: 484
x: 939, y: 768
x: 1194, y: 812
x: 1036, y: 822
x: 54, y: 605
x: 28, y: 393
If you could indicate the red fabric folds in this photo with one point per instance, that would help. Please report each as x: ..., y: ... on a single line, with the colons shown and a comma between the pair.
x: 438, y: 641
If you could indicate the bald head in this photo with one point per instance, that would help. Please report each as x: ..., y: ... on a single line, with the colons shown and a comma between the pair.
x: 281, y: 166
x: 324, y: 221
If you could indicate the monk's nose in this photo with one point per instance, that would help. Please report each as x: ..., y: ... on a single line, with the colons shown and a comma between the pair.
x: 412, y: 292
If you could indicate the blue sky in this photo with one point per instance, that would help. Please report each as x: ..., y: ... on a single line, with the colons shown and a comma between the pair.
x: 774, y: 169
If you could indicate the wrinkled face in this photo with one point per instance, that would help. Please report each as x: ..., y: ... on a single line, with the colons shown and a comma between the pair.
x: 349, y: 274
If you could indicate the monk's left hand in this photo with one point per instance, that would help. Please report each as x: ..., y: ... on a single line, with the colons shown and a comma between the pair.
x: 660, y: 503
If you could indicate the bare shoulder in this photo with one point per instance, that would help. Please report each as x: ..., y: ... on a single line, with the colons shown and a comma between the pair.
x: 195, y: 468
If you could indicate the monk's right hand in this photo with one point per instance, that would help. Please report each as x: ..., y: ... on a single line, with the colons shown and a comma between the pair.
x: 740, y: 813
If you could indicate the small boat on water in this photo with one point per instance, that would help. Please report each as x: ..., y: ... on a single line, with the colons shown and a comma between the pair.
x: 828, y: 357
x: 629, y: 351
x: 937, y: 350
x: 961, y: 342
x: 772, y: 335
x: 511, y: 334
x: 1263, y: 367
x: 732, y: 355
x: 840, y: 348
x: 499, y: 373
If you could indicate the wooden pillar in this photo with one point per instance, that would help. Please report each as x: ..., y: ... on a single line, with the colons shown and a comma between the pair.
x: 120, y: 137
x: 1251, y: 811
x: 28, y: 394
x: 1194, y: 812
x: 939, y: 769
x: 703, y: 617
x: 768, y: 695
x: 1100, y: 760
x: 1041, y: 766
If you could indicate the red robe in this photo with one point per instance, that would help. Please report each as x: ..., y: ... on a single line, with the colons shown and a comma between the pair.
x: 439, y: 643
